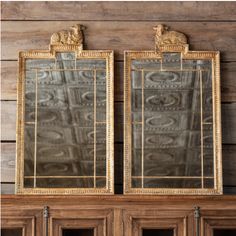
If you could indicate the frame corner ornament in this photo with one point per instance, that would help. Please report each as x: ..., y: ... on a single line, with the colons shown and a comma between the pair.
x: 166, y: 39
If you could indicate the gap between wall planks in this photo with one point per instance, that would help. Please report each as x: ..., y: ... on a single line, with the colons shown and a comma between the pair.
x: 112, y: 25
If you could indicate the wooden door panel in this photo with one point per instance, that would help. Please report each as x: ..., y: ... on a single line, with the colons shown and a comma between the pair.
x: 30, y: 221
x: 217, y: 219
x: 135, y: 221
x: 101, y: 221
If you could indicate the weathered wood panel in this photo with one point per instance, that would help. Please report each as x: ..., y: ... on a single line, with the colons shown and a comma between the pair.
x: 7, y: 188
x: 8, y: 118
x: 9, y: 155
x: 228, y: 82
x: 9, y: 80
x: 228, y: 112
x: 118, y: 36
x: 228, y: 122
x: 175, y: 11
x: 229, y: 165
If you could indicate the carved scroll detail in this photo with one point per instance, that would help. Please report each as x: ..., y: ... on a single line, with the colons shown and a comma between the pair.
x: 164, y: 37
x: 69, y: 37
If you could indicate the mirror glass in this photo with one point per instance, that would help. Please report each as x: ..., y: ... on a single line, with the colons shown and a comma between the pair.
x: 78, y: 232
x: 11, y: 232
x: 158, y: 232
x: 172, y: 123
x: 65, y: 122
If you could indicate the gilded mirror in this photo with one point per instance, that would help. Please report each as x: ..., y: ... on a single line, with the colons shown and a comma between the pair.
x: 172, y: 119
x: 65, y: 118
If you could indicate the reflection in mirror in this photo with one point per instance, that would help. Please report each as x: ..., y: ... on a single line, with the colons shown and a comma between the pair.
x: 158, y: 232
x: 65, y: 123
x: 172, y: 123
x: 224, y: 232
x: 12, y: 232
x: 78, y: 232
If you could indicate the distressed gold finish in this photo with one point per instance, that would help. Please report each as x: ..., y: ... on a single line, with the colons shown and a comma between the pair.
x: 69, y: 37
x: 164, y: 37
x: 70, y: 42
x: 142, y: 70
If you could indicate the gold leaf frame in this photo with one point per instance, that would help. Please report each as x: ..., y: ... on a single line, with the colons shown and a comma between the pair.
x: 76, y: 46
x: 172, y: 41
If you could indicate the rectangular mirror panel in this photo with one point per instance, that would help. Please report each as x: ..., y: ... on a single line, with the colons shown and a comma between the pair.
x: 65, y: 123
x: 172, y: 140
x: 172, y: 124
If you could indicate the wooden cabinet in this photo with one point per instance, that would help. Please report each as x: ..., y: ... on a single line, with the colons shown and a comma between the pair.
x: 218, y: 222
x: 83, y: 221
x: 118, y: 216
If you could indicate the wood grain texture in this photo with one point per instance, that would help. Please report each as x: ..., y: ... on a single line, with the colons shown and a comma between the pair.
x: 228, y: 82
x: 8, y: 118
x: 118, y: 36
x: 9, y: 77
x: 155, y: 11
x: 7, y: 188
x: 228, y: 122
x: 136, y: 202
x: 228, y: 112
x: 9, y: 155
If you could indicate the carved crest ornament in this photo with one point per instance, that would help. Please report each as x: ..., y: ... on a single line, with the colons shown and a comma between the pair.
x: 69, y: 37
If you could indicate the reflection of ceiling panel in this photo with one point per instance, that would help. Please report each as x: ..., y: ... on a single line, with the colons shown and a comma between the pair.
x: 65, y: 119
x: 171, y: 130
x: 84, y: 96
x: 170, y: 100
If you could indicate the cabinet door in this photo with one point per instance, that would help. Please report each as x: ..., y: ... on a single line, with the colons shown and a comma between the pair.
x: 155, y: 222
x: 21, y: 222
x: 81, y: 222
x: 218, y: 223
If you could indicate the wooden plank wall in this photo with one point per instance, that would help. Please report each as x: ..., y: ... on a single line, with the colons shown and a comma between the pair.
x: 118, y: 26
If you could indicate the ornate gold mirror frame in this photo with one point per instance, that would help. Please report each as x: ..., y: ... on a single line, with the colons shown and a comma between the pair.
x: 65, y: 118
x: 172, y: 133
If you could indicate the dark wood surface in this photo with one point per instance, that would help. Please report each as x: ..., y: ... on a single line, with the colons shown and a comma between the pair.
x: 119, y: 26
